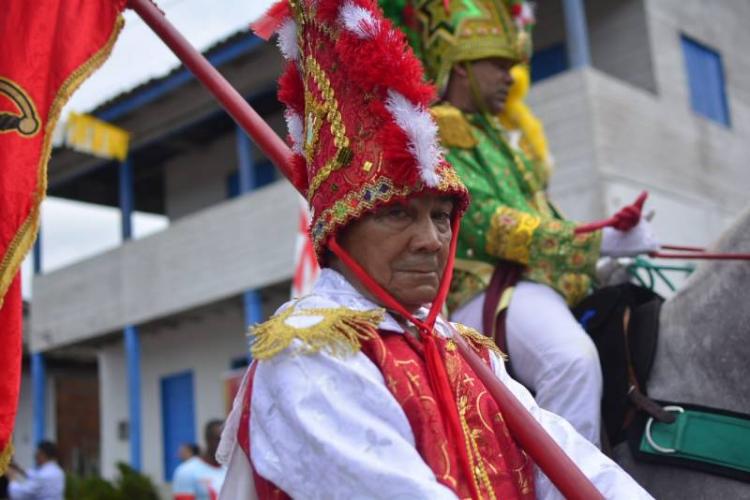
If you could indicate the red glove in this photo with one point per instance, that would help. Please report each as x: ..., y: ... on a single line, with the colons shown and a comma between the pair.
x: 627, y: 218
x: 630, y: 215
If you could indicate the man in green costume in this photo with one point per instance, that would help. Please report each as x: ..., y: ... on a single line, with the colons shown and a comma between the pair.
x: 519, y: 264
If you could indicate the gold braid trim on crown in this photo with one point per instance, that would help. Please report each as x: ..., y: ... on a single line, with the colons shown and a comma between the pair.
x: 339, y: 331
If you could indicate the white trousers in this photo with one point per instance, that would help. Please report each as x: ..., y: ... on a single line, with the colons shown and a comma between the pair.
x: 550, y: 353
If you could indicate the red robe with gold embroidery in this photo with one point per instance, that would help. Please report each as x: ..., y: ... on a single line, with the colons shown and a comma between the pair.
x: 500, y: 469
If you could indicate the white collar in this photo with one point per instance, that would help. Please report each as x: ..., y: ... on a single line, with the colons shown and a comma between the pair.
x: 332, y: 286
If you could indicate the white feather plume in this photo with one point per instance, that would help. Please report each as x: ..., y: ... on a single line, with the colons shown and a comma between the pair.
x: 295, y: 128
x: 358, y: 20
x: 422, y: 132
x: 287, y: 40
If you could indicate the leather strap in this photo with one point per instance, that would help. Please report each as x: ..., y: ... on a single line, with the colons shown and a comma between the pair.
x: 635, y: 395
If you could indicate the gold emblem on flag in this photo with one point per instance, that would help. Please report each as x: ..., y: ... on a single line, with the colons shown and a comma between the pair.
x: 27, y: 122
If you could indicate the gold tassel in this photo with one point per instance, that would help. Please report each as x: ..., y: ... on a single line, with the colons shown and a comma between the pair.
x: 5, y: 457
x: 339, y: 332
x: 478, y: 340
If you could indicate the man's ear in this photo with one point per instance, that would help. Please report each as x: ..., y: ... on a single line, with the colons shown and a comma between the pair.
x: 459, y: 70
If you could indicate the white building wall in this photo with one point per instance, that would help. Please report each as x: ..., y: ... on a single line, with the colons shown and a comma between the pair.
x: 113, y: 407
x: 23, y: 431
x: 204, y: 341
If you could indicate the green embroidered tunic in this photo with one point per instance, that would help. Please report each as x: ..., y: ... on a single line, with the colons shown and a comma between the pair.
x: 510, y: 217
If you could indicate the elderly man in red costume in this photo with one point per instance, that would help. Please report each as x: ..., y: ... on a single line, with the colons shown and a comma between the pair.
x: 358, y: 390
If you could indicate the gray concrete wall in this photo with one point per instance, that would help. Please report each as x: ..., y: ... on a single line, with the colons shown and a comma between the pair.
x: 611, y: 140
x: 618, y: 37
x: 240, y: 244
x: 562, y: 104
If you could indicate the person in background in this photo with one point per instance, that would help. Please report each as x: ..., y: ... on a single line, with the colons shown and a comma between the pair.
x: 200, y: 477
x: 45, y: 482
x: 188, y: 451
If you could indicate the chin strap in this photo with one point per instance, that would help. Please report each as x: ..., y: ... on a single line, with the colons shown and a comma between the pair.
x: 436, y: 372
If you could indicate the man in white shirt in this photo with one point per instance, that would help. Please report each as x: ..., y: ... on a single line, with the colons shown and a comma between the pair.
x: 45, y: 482
x: 200, y: 477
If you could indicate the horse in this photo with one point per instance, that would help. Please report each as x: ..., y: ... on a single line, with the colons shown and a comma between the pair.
x: 702, y: 357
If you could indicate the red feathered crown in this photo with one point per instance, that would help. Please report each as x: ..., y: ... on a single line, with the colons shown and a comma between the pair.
x: 356, y: 110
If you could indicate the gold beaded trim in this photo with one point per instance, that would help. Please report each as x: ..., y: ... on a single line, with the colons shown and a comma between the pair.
x: 317, y: 113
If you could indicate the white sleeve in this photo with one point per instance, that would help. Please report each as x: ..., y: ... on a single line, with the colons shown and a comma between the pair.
x: 25, y: 489
x: 183, y: 480
x: 323, y: 427
x: 607, y: 476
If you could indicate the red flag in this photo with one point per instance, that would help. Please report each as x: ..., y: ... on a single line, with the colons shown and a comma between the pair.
x: 49, y: 48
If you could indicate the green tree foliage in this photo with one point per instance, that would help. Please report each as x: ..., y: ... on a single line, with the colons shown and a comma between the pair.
x: 130, y: 485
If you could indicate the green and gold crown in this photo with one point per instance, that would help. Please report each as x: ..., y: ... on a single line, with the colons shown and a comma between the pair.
x: 446, y: 32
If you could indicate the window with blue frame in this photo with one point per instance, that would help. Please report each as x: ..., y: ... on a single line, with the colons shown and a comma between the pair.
x: 705, y: 75
x: 549, y: 61
x: 265, y: 173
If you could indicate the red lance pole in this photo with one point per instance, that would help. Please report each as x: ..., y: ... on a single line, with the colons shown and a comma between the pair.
x: 561, y: 470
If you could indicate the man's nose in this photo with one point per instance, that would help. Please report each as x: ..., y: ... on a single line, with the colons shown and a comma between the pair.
x: 508, y: 77
x: 426, y: 237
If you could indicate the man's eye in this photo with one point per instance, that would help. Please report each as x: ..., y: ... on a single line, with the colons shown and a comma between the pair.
x: 442, y: 216
x: 396, y: 213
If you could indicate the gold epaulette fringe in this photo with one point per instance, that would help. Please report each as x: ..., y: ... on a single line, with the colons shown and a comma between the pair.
x: 453, y: 127
x: 478, y: 340
x: 339, y: 331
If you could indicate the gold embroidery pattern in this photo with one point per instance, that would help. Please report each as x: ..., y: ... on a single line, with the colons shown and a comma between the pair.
x: 476, y: 463
x: 326, y: 111
x: 354, y: 204
x: 339, y: 331
x: 447, y: 474
x: 510, y: 234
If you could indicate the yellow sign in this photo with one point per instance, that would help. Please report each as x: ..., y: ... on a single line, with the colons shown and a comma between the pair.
x: 91, y: 135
